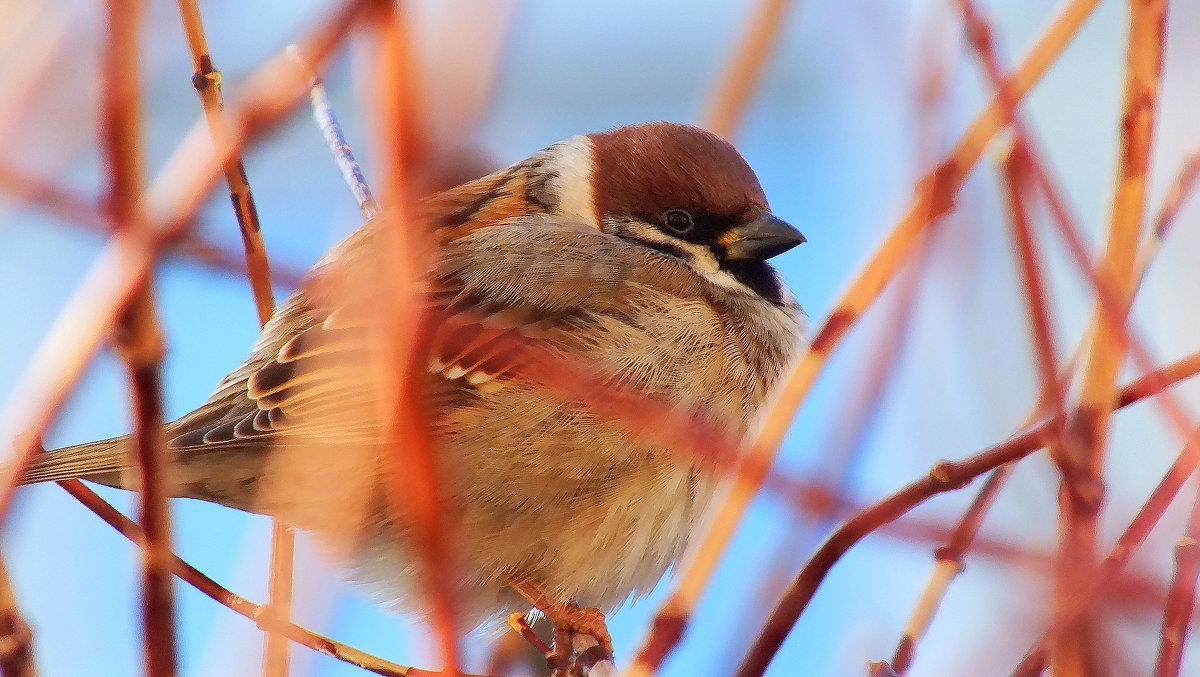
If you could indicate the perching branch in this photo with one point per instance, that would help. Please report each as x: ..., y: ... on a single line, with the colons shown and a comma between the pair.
x: 241, y: 605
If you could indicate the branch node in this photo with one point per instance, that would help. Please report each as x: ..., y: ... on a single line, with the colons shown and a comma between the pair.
x: 948, y: 475
x: 206, y: 74
x: 948, y: 553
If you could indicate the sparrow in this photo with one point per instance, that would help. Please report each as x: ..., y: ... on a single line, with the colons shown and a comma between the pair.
x: 639, y: 252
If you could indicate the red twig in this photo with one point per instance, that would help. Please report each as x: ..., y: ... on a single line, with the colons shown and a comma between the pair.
x: 241, y: 605
x: 946, y: 476
x: 732, y: 92
x: 1089, y: 425
x: 207, y: 81
x: 137, y: 336
x: 1118, y: 556
x: 1181, y: 189
x: 1181, y: 598
x: 417, y: 478
x: 125, y: 264
x: 1017, y: 184
x: 932, y: 198
x: 949, y: 564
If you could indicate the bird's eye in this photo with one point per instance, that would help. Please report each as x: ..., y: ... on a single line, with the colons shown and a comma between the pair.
x: 678, y: 220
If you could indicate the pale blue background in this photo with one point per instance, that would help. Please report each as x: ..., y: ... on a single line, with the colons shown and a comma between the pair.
x: 833, y: 135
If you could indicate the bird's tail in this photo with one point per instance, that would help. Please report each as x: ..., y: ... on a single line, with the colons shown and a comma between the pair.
x: 102, y: 461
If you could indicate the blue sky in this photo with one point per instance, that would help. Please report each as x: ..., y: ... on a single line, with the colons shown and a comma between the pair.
x: 833, y: 135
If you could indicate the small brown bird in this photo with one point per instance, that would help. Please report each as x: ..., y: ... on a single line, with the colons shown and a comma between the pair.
x: 639, y: 252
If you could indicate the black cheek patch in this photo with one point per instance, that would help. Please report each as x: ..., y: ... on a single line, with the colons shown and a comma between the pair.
x: 660, y: 247
x: 758, y: 276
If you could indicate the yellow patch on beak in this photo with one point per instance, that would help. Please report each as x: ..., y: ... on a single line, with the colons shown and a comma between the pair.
x: 729, y: 237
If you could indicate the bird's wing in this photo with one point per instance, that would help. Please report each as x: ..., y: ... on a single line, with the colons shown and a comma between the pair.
x: 496, y: 292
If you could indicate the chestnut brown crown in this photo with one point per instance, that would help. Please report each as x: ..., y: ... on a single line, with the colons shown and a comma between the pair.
x: 693, y: 187
x: 644, y: 170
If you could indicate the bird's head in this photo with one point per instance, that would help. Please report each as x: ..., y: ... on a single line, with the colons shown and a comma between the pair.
x: 676, y: 189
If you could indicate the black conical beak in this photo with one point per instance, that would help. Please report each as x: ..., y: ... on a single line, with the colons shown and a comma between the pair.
x: 762, y: 238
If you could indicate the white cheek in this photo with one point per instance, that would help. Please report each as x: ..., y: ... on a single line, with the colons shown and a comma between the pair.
x: 706, y: 264
x: 573, y: 183
x: 721, y: 278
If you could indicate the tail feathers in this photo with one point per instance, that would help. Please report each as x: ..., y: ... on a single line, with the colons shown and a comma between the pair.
x: 100, y: 461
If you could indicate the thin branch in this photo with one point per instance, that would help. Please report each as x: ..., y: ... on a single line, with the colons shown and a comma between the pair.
x: 731, y: 95
x: 1177, y: 615
x: 125, y: 264
x: 52, y: 197
x: 1088, y: 427
x: 16, y: 639
x: 279, y: 597
x: 933, y: 197
x: 84, y: 212
x: 207, y: 81
x: 1126, y: 545
x: 945, y: 476
x: 416, y: 479
x: 1181, y: 189
x: 948, y: 565
x: 137, y: 337
x: 1017, y: 185
x: 335, y: 139
x: 935, y: 589
x: 240, y: 605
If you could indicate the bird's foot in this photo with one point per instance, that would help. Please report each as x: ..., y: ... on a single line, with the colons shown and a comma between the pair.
x: 568, y: 620
x: 572, y: 657
x: 571, y: 619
